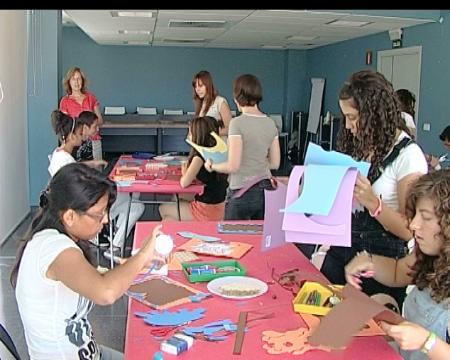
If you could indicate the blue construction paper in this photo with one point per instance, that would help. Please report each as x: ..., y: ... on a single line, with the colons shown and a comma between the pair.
x: 190, y: 235
x: 320, y: 186
x: 318, y: 156
x: 167, y: 318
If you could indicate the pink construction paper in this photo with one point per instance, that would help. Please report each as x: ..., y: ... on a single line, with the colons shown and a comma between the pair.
x: 333, y: 229
x: 273, y: 234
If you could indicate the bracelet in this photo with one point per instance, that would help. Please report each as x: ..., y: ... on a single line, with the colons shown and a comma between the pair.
x: 378, y: 209
x: 429, y: 343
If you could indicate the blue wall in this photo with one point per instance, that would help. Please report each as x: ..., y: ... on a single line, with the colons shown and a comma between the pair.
x: 133, y: 76
x: 337, y: 62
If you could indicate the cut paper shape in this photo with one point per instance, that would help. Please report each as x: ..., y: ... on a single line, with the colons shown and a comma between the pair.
x: 320, y: 186
x: 318, y: 156
x: 217, y: 153
x: 190, y: 235
x: 333, y: 229
x: 273, y: 234
x: 242, y: 229
x: 369, y: 329
x: 167, y: 318
x: 293, y: 342
x: 349, y: 316
x: 233, y: 250
x: 211, y: 331
x: 179, y: 257
x: 160, y: 292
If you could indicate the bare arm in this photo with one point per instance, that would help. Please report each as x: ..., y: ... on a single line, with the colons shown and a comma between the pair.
x: 411, y: 336
x: 233, y: 163
x: 388, y: 271
x: 102, y: 289
x: 392, y: 220
x: 191, y: 172
x: 225, y: 113
x: 99, y: 115
x: 274, y: 155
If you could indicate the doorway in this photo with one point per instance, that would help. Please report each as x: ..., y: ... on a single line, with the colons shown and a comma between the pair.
x: 402, y: 67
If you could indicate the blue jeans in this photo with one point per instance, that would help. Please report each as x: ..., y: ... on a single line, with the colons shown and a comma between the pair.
x: 250, y: 206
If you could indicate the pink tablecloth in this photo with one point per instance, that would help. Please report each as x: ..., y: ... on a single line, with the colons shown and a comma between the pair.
x: 139, y: 344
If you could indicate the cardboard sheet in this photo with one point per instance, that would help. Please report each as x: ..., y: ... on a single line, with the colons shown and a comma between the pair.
x: 217, y: 153
x: 349, y: 316
x: 273, y: 234
x: 161, y: 292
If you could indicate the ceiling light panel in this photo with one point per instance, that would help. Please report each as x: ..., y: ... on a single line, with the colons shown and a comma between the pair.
x: 134, y: 14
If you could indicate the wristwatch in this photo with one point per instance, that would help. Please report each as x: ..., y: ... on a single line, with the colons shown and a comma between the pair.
x: 429, y: 343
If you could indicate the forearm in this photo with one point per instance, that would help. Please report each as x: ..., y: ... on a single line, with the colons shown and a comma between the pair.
x: 392, y: 220
x: 441, y: 351
x: 390, y: 272
x: 223, y: 168
x: 119, y: 279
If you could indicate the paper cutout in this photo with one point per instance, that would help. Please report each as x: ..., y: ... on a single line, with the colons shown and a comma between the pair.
x: 179, y: 257
x: 167, y: 318
x: 293, y: 342
x: 273, y: 234
x: 217, y: 153
x: 210, y: 330
x: 160, y: 292
x: 236, y: 249
x: 242, y: 229
x: 349, y: 316
x: 190, y: 235
x: 320, y: 186
x: 334, y: 229
x: 318, y: 156
x: 369, y: 329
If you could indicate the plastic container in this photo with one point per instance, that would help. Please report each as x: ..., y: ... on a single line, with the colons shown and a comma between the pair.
x: 308, y: 287
x: 163, y: 248
x: 207, y: 275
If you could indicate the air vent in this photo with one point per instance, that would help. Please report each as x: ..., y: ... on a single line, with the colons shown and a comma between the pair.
x: 186, y: 41
x: 196, y: 24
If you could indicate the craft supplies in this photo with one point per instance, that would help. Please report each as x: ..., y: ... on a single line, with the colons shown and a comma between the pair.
x: 177, y: 344
x: 206, y: 271
x: 242, y: 321
x: 316, y: 298
x: 231, y: 249
x: 250, y: 229
x: 237, y: 287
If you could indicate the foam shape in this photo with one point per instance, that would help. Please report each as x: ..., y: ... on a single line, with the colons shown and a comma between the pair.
x: 167, y: 318
x: 217, y: 153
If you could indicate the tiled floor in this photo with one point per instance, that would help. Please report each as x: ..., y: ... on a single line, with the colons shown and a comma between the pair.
x: 108, y: 322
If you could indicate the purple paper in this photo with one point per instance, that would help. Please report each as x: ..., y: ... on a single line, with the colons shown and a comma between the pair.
x: 333, y: 229
x: 273, y: 234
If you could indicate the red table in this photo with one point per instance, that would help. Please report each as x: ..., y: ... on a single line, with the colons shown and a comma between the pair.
x: 157, y: 186
x: 139, y: 344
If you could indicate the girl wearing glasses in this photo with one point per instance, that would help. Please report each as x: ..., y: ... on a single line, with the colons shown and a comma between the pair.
x: 55, y: 285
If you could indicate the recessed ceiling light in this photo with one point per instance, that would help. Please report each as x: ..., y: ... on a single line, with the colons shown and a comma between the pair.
x: 301, y: 38
x: 132, y: 42
x: 348, y: 23
x: 135, y: 32
x: 146, y: 14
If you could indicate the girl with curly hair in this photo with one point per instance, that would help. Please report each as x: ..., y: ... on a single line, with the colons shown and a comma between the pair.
x: 373, y: 131
x: 428, y: 267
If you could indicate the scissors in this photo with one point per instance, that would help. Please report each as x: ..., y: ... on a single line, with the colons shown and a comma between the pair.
x: 162, y: 331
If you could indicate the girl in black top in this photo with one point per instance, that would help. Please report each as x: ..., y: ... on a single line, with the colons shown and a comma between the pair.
x: 210, y: 205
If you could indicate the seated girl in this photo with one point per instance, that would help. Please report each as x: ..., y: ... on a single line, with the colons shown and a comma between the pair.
x: 210, y: 204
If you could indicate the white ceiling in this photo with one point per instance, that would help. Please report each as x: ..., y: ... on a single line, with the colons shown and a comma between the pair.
x: 244, y: 29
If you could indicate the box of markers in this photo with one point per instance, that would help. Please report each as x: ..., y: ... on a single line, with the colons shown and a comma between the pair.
x: 209, y: 270
x: 314, y: 298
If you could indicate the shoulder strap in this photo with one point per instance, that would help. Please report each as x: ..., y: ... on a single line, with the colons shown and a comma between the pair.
x: 7, y: 341
x: 392, y: 156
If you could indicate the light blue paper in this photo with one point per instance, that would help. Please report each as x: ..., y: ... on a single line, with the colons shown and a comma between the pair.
x: 318, y: 156
x: 191, y: 235
x: 320, y: 186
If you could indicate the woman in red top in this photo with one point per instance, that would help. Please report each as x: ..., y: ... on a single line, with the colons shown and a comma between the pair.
x: 78, y: 99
